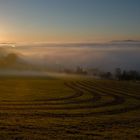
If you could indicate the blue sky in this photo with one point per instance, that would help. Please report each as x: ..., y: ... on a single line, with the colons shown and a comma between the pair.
x: 69, y: 20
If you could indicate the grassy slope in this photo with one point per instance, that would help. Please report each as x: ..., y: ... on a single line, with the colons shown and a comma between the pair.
x: 68, y: 108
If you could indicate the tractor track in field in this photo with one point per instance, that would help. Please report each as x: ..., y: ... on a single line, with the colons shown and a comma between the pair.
x: 78, y: 93
x: 96, y: 97
x: 75, y: 101
x: 119, y: 91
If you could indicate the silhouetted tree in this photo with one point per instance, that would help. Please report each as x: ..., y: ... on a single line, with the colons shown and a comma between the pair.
x: 118, y: 73
x: 130, y: 75
x: 106, y: 75
x: 80, y: 70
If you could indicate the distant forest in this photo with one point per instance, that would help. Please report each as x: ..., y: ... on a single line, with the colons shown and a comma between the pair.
x: 118, y: 74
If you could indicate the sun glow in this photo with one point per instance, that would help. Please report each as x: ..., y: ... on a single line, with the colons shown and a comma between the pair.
x: 13, y: 46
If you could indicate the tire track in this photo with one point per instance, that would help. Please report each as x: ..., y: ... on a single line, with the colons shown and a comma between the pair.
x: 81, y: 88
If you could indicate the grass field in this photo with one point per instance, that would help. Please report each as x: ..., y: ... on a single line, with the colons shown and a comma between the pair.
x: 68, y: 108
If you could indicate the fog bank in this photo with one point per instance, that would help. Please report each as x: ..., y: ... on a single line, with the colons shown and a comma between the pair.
x: 60, y: 56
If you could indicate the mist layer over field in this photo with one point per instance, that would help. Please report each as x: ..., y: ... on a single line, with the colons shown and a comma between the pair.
x: 125, y: 55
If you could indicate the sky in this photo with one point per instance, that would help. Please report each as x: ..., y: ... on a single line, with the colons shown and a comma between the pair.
x: 66, y: 21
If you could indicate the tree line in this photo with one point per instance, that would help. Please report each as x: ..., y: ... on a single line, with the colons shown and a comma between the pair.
x: 118, y: 74
x: 122, y: 75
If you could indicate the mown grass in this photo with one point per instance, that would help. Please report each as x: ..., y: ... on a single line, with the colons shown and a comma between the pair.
x: 68, y: 108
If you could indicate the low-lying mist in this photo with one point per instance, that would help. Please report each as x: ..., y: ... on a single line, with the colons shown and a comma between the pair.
x: 46, y: 57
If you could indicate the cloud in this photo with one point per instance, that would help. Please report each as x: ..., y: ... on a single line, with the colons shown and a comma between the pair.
x: 102, y: 56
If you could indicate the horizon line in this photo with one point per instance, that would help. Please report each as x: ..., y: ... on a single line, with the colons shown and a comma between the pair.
x: 84, y: 42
